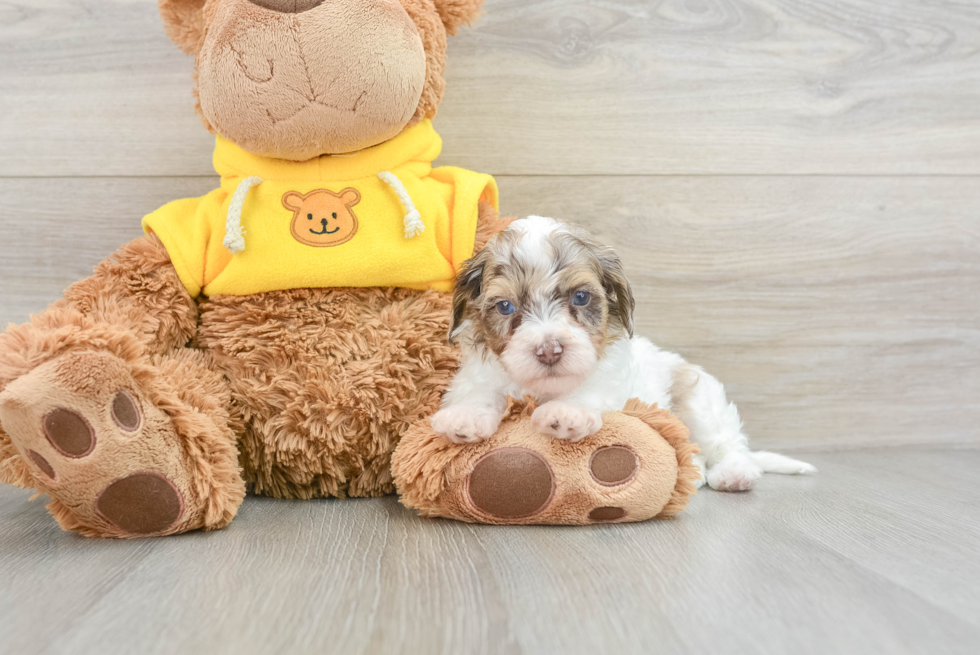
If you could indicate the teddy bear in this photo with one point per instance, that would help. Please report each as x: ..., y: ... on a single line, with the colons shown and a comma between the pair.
x: 282, y: 332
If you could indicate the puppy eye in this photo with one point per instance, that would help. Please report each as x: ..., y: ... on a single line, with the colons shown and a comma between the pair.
x: 506, y: 307
x: 581, y: 298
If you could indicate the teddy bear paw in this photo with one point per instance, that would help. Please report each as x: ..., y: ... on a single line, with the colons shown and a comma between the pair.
x: 516, y: 483
x: 96, y: 445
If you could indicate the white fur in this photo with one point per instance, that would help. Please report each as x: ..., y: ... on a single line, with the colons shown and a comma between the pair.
x: 588, y: 385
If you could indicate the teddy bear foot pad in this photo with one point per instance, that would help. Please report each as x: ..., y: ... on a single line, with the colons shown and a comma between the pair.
x: 637, y: 467
x: 109, y: 459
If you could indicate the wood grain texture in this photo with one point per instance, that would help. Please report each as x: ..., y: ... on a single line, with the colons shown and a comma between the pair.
x: 551, y: 87
x: 874, y: 555
x: 838, y: 311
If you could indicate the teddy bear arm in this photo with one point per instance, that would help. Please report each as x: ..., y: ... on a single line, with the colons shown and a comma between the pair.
x: 138, y: 289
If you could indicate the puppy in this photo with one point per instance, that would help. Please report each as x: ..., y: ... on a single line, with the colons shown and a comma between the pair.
x: 545, y: 310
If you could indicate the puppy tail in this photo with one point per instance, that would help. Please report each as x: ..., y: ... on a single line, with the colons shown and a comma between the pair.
x: 776, y: 463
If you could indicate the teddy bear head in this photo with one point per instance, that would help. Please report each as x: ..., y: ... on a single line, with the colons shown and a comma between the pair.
x: 295, y: 79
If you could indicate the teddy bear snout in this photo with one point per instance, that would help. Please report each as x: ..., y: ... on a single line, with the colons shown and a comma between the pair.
x: 288, y: 6
x: 296, y: 79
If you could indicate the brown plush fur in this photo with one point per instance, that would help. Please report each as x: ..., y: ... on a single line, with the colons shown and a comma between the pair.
x: 456, y: 13
x: 184, y: 22
x: 327, y: 380
x: 138, y: 288
x: 431, y: 473
x: 433, y: 34
x: 374, y: 361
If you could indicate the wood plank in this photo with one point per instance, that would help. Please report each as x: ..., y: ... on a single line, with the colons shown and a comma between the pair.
x: 552, y: 87
x: 865, y: 557
x: 838, y: 311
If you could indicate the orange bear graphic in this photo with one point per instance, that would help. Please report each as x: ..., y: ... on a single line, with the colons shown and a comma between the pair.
x: 323, y: 218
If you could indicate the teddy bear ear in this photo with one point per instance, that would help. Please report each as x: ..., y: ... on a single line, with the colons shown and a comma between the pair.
x: 456, y: 13
x: 184, y: 22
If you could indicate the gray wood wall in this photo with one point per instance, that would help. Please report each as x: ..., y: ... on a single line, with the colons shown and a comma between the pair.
x: 794, y: 184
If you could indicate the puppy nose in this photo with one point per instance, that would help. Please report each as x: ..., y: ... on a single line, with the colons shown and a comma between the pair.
x: 549, y: 353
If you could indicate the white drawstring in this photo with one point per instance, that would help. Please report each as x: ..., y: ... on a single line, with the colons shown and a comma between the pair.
x: 413, y: 219
x: 234, y: 235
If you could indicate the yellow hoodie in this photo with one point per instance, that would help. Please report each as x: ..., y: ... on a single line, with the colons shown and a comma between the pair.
x: 379, y: 217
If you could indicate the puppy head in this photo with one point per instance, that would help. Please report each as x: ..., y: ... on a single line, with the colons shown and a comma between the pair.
x: 546, y: 299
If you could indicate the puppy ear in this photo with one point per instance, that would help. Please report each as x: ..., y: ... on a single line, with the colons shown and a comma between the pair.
x: 617, y: 286
x: 184, y: 22
x: 468, y: 287
x: 456, y: 13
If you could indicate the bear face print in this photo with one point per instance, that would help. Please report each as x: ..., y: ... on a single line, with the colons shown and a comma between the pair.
x: 323, y: 218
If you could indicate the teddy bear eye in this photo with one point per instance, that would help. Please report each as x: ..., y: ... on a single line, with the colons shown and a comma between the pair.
x: 335, y: 214
x: 309, y: 217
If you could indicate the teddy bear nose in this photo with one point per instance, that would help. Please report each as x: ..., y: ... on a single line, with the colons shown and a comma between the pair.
x: 288, y: 6
x: 549, y: 353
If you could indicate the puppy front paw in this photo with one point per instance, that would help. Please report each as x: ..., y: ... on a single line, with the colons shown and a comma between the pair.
x: 563, y: 421
x: 462, y: 424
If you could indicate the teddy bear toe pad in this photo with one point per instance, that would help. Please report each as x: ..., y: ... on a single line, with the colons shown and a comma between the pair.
x: 141, y: 504
x: 69, y: 432
x: 97, y: 446
x: 511, y: 483
x: 613, y: 465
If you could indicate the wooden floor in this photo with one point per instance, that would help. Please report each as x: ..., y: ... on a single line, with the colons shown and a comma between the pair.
x: 876, y: 554
x: 794, y: 186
